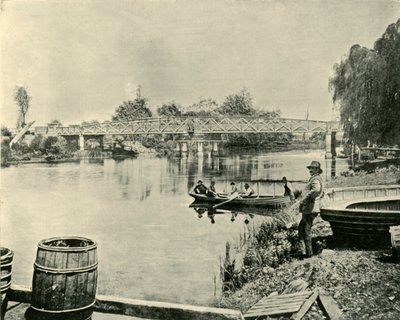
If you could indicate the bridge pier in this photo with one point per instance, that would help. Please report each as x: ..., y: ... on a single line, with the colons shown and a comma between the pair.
x: 200, y: 148
x: 81, y: 142
x: 330, y: 145
x: 215, y: 150
x: 184, y: 149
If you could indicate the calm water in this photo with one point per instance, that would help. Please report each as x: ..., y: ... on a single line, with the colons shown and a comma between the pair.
x: 151, y: 245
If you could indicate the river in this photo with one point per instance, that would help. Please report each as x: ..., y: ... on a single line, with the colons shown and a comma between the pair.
x: 151, y: 245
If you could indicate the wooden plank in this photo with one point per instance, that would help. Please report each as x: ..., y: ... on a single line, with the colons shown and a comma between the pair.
x: 306, y: 306
x: 273, y: 311
x: 281, y: 299
x: 282, y: 303
x: 329, y: 306
x: 162, y: 310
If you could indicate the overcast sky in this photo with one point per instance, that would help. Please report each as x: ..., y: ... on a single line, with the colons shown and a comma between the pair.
x: 80, y: 59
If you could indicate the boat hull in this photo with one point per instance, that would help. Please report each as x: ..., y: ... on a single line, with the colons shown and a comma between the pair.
x: 367, y: 212
x: 268, y: 202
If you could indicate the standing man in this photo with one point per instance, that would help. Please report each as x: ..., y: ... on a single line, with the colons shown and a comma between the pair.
x: 310, y: 207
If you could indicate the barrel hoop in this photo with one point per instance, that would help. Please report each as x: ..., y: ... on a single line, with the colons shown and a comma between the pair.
x: 8, y: 255
x: 63, y: 311
x: 6, y: 276
x: 63, y: 271
x: 68, y: 249
x: 42, y: 244
x: 5, y: 287
x: 5, y: 265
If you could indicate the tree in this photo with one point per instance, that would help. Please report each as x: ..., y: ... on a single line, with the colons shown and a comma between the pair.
x: 132, y: 110
x: 388, y: 47
x: 366, y: 87
x: 5, y: 132
x: 55, y: 145
x: 238, y: 104
x: 269, y: 114
x: 205, y: 107
x: 22, y: 99
x: 170, y: 110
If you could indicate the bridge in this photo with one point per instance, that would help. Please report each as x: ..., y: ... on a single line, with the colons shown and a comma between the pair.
x: 181, y: 125
x: 195, y: 125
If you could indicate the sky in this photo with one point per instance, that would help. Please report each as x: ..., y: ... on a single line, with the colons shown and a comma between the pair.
x: 79, y: 60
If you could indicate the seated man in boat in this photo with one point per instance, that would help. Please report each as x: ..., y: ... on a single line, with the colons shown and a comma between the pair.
x: 234, y: 189
x: 211, y: 190
x: 247, y: 192
x: 200, y: 188
x: 288, y: 188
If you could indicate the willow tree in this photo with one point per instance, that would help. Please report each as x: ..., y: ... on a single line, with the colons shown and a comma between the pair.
x: 366, y: 89
x: 22, y: 99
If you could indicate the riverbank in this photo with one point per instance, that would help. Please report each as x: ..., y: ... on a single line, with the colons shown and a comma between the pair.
x: 364, y: 282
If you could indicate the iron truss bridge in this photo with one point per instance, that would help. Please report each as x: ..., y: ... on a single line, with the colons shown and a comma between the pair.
x: 182, y: 125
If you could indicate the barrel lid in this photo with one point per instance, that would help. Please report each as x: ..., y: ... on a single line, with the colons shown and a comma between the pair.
x: 68, y: 243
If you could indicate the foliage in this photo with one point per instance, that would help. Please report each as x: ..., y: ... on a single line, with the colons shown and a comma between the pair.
x: 5, y: 153
x: 205, y: 107
x: 93, y: 122
x: 37, y: 144
x: 162, y: 148
x: 132, y: 110
x: 55, y: 123
x: 366, y: 86
x: 22, y: 99
x: 269, y: 114
x: 55, y: 146
x: 5, y: 132
x: 238, y: 104
x: 318, y: 136
x: 169, y: 110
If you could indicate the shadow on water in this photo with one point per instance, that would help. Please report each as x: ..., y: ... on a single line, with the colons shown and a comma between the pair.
x: 207, y: 210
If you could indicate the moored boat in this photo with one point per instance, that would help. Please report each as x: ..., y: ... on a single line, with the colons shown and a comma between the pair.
x: 362, y: 211
x: 262, y: 201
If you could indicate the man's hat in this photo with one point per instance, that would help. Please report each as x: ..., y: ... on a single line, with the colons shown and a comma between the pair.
x: 232, y: 183
x: 315, y: 164
x: 199, y: 181
x: 246, y: 185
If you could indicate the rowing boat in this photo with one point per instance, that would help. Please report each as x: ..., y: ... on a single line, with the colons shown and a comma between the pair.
x: 362, y: 211
x: 262, y: 201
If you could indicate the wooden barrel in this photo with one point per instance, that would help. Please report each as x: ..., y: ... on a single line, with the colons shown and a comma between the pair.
x: 65, y: 275
x: 395, y: 238
x: 5, y: 269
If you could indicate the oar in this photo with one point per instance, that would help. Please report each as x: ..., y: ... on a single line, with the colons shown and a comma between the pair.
x: 230, y: 198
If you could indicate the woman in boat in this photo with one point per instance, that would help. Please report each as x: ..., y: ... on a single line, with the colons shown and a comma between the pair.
x: 310, y: 207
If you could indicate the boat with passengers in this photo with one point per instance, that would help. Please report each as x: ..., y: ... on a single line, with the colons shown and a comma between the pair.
x: 226, y: 200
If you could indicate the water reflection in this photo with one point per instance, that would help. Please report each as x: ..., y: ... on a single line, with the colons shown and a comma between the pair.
x: 248, y: 213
